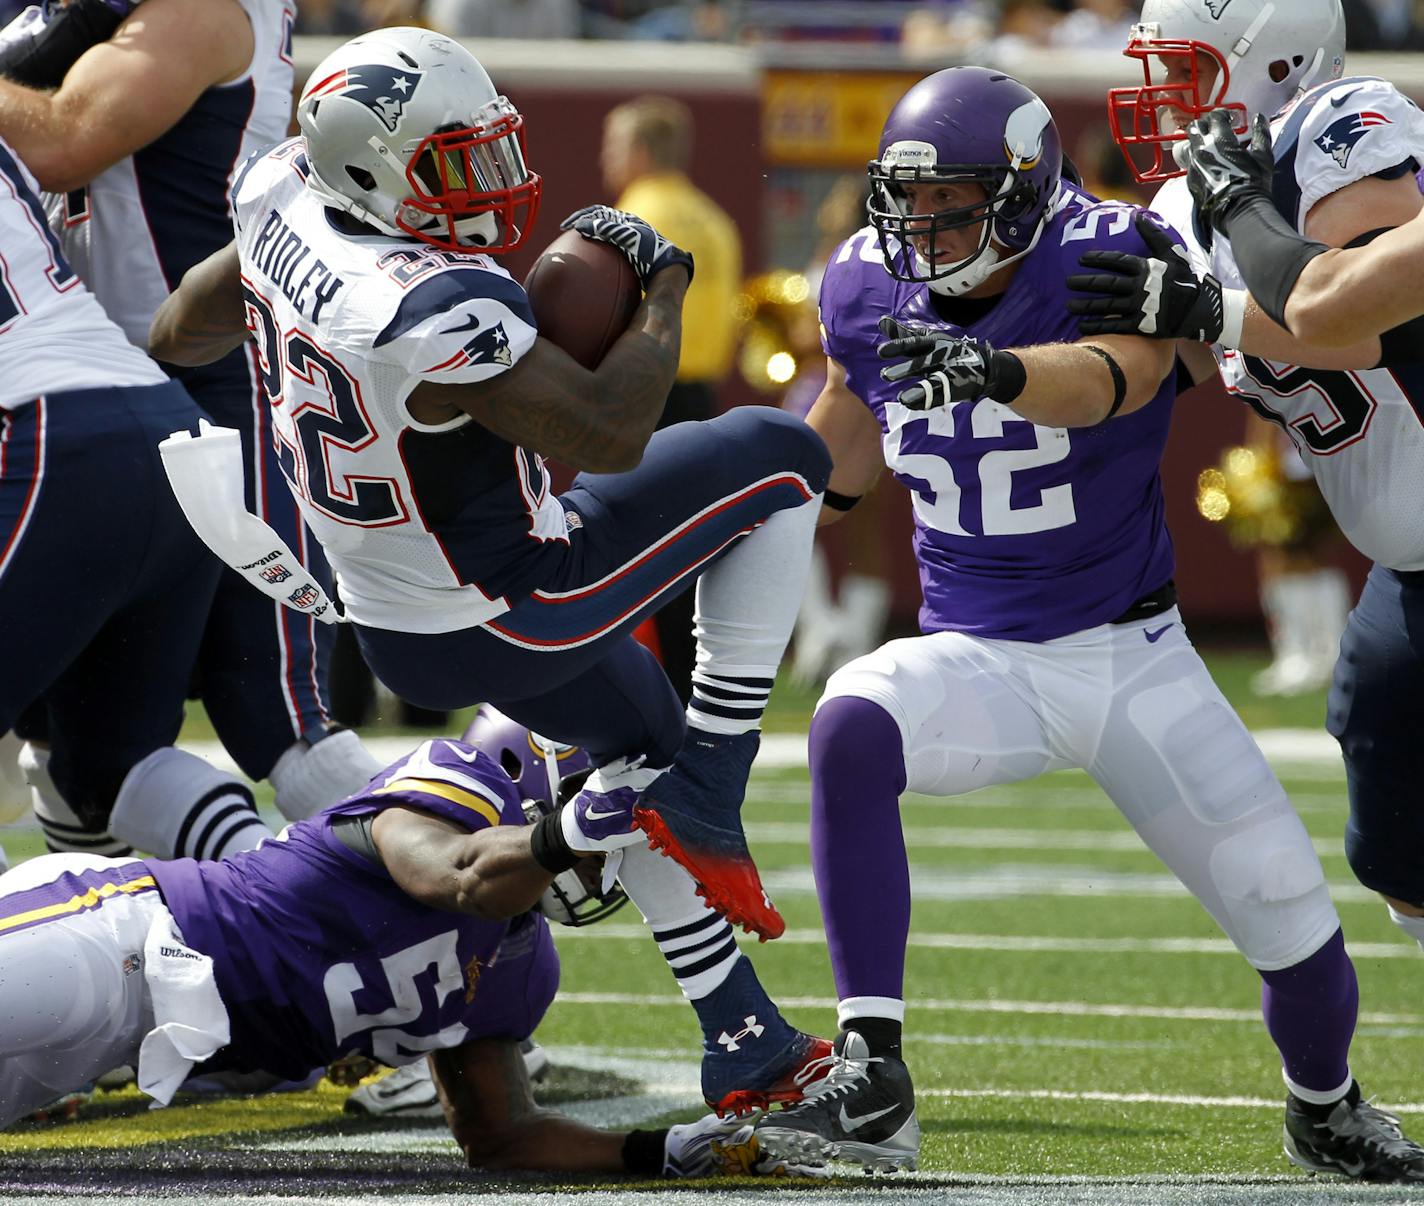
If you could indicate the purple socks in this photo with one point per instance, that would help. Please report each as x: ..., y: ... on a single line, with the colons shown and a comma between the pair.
x: 1310, y: 1011
x: 857, y: 847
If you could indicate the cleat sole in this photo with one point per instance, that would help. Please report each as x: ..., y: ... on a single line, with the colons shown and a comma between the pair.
x: 760, y: 919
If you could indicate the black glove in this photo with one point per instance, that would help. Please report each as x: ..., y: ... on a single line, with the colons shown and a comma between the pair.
x: 1221, y: 172
x: 943, y: 369
x: 646, y: 249
x: 1160, y: 297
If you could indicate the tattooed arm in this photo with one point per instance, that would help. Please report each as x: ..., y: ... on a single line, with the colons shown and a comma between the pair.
x: 597, y: 420
x: 204, y: 318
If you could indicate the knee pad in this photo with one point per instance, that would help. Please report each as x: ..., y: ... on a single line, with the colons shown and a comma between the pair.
x: 1272, y: 887
x: 175, y: 805
x: 64, y: 831
x: 308, y: 778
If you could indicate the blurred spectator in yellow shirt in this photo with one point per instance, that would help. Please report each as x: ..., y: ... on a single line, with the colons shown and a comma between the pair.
x: 647, y: 147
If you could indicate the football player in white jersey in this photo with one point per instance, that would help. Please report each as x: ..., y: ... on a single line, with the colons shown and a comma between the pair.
x: 138, y: 177
x: 103, y: 589
x: 413, y: 404
x: 1343, y: 173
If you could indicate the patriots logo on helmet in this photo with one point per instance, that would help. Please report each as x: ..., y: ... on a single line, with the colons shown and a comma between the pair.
x: 382, y: 89
x: 1217, y: 7
x: 1344, y: 135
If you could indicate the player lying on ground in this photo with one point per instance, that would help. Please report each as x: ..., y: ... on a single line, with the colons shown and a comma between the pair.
x: 414, y: 402
x: 1052, y: 637
x: 396, y: 923
x: 1337, y: 166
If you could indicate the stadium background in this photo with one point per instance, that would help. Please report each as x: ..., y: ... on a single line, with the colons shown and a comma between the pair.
x: 1082, y: 1032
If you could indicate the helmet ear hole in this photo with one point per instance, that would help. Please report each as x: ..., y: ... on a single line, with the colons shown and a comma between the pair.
x: 510, y: 764
x: 361, y: 178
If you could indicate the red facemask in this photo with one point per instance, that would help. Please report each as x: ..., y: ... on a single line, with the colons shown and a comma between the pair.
x: 463, y: 173
x: 1136, y: 114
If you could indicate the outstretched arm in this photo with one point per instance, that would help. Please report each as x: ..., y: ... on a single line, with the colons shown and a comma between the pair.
x: 490, y: 1108
x: 853, y: 438
x: 203, y: 319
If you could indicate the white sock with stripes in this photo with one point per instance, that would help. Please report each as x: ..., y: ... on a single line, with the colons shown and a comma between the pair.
x: 697, y: 942
x: 64, y: 833
x: 746, y: 608
x: 175, y: 805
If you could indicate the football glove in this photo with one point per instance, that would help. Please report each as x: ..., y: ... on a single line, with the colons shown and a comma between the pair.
x: 599, y: 820
x: 1158, y: 296
x: 646, y: 249
x: 1221, y: 172
x: 942, y: 369
x: 714, y: 1146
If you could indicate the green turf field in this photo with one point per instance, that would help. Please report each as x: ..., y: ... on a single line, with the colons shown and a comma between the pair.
x: 1077, y: 1025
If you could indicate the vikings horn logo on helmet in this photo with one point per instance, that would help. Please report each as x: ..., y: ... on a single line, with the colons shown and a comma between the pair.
x: 1023, y: 133
x: 383, y: 89
x: 1217, y: 7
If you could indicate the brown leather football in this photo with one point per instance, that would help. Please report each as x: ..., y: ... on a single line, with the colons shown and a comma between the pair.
x: 583, y: 295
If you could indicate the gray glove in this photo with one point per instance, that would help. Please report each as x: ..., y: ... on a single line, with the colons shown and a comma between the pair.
x: 646, y: 249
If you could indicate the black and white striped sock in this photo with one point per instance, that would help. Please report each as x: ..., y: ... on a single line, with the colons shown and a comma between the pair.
x: 701, y: 953
x: 175, y: 805
x: 220, y: 823
x: 724, y: 703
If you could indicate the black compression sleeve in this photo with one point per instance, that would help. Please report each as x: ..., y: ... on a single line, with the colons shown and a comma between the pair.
x: 644, y: 1152
x: 551, y: 850
x: 1270, y: 255
x: 41, y: 60
x: 840, y: 502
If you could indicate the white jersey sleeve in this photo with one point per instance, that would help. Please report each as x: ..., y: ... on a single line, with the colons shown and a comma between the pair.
x: 1340, y: 133
x: 459, y: 323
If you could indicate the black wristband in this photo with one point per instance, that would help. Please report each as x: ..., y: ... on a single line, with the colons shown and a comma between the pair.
x: 839, y: 502
x: 1118, y: 378
x: 645, y: 1152
x: 1270, y: 255
x: 1007, y: 378
x: 549, y: 846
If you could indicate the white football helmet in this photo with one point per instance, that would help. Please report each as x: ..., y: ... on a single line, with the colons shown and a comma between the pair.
x: 1267, y: 52
x: 405, y: 131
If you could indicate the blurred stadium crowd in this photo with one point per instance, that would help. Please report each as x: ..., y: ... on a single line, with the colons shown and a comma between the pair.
x: 932, y: 27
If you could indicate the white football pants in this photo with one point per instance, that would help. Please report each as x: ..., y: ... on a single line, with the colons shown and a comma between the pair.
x: 1134, y: 706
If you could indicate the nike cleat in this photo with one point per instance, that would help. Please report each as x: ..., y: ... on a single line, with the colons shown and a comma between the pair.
x: 805, y: 1060
x: 1355, y: 1139
x: 693, y: 814
x: 862, y: 1111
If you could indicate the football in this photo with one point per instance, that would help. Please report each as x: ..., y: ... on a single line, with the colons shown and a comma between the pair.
x: 583, y: 295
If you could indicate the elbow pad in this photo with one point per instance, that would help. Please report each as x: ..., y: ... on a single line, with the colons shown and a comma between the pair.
x: 1269, y: 253
x: 40, y: 54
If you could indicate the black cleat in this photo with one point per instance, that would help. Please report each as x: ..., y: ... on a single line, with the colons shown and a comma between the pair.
x: 862, y: 1111
x: 1355, y: 1139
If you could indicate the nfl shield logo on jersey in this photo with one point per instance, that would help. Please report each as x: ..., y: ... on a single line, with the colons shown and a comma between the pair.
x: 1345, y: 134
x: 304, y: 596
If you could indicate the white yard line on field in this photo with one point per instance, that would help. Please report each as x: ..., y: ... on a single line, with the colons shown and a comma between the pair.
x: 1067, y: 1009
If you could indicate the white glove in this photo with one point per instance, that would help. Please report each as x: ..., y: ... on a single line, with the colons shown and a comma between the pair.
x: 726, y: 1147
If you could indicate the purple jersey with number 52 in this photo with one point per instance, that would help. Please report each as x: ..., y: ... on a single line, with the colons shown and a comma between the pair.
x: 1021, y: 532
x: 317, y: 953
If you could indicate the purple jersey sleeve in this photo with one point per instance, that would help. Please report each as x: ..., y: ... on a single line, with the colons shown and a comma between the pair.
x: 317, y: 952
x: 1021, y: 532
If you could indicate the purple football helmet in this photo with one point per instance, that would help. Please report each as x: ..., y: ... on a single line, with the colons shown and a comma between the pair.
x: 547, y: 775
x: 965, y: 125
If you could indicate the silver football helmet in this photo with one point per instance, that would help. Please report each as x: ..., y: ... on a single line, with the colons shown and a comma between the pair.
x: 1266, y: 53
x: 405, y: 131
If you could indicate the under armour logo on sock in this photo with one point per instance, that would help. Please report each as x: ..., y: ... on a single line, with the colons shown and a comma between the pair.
x: 733, y: 1042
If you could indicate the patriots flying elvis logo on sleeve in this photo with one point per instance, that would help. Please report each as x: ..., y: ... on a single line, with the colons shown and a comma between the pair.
x: 1345, y: 134
x: 490, y: 346
x: 382, y: 89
